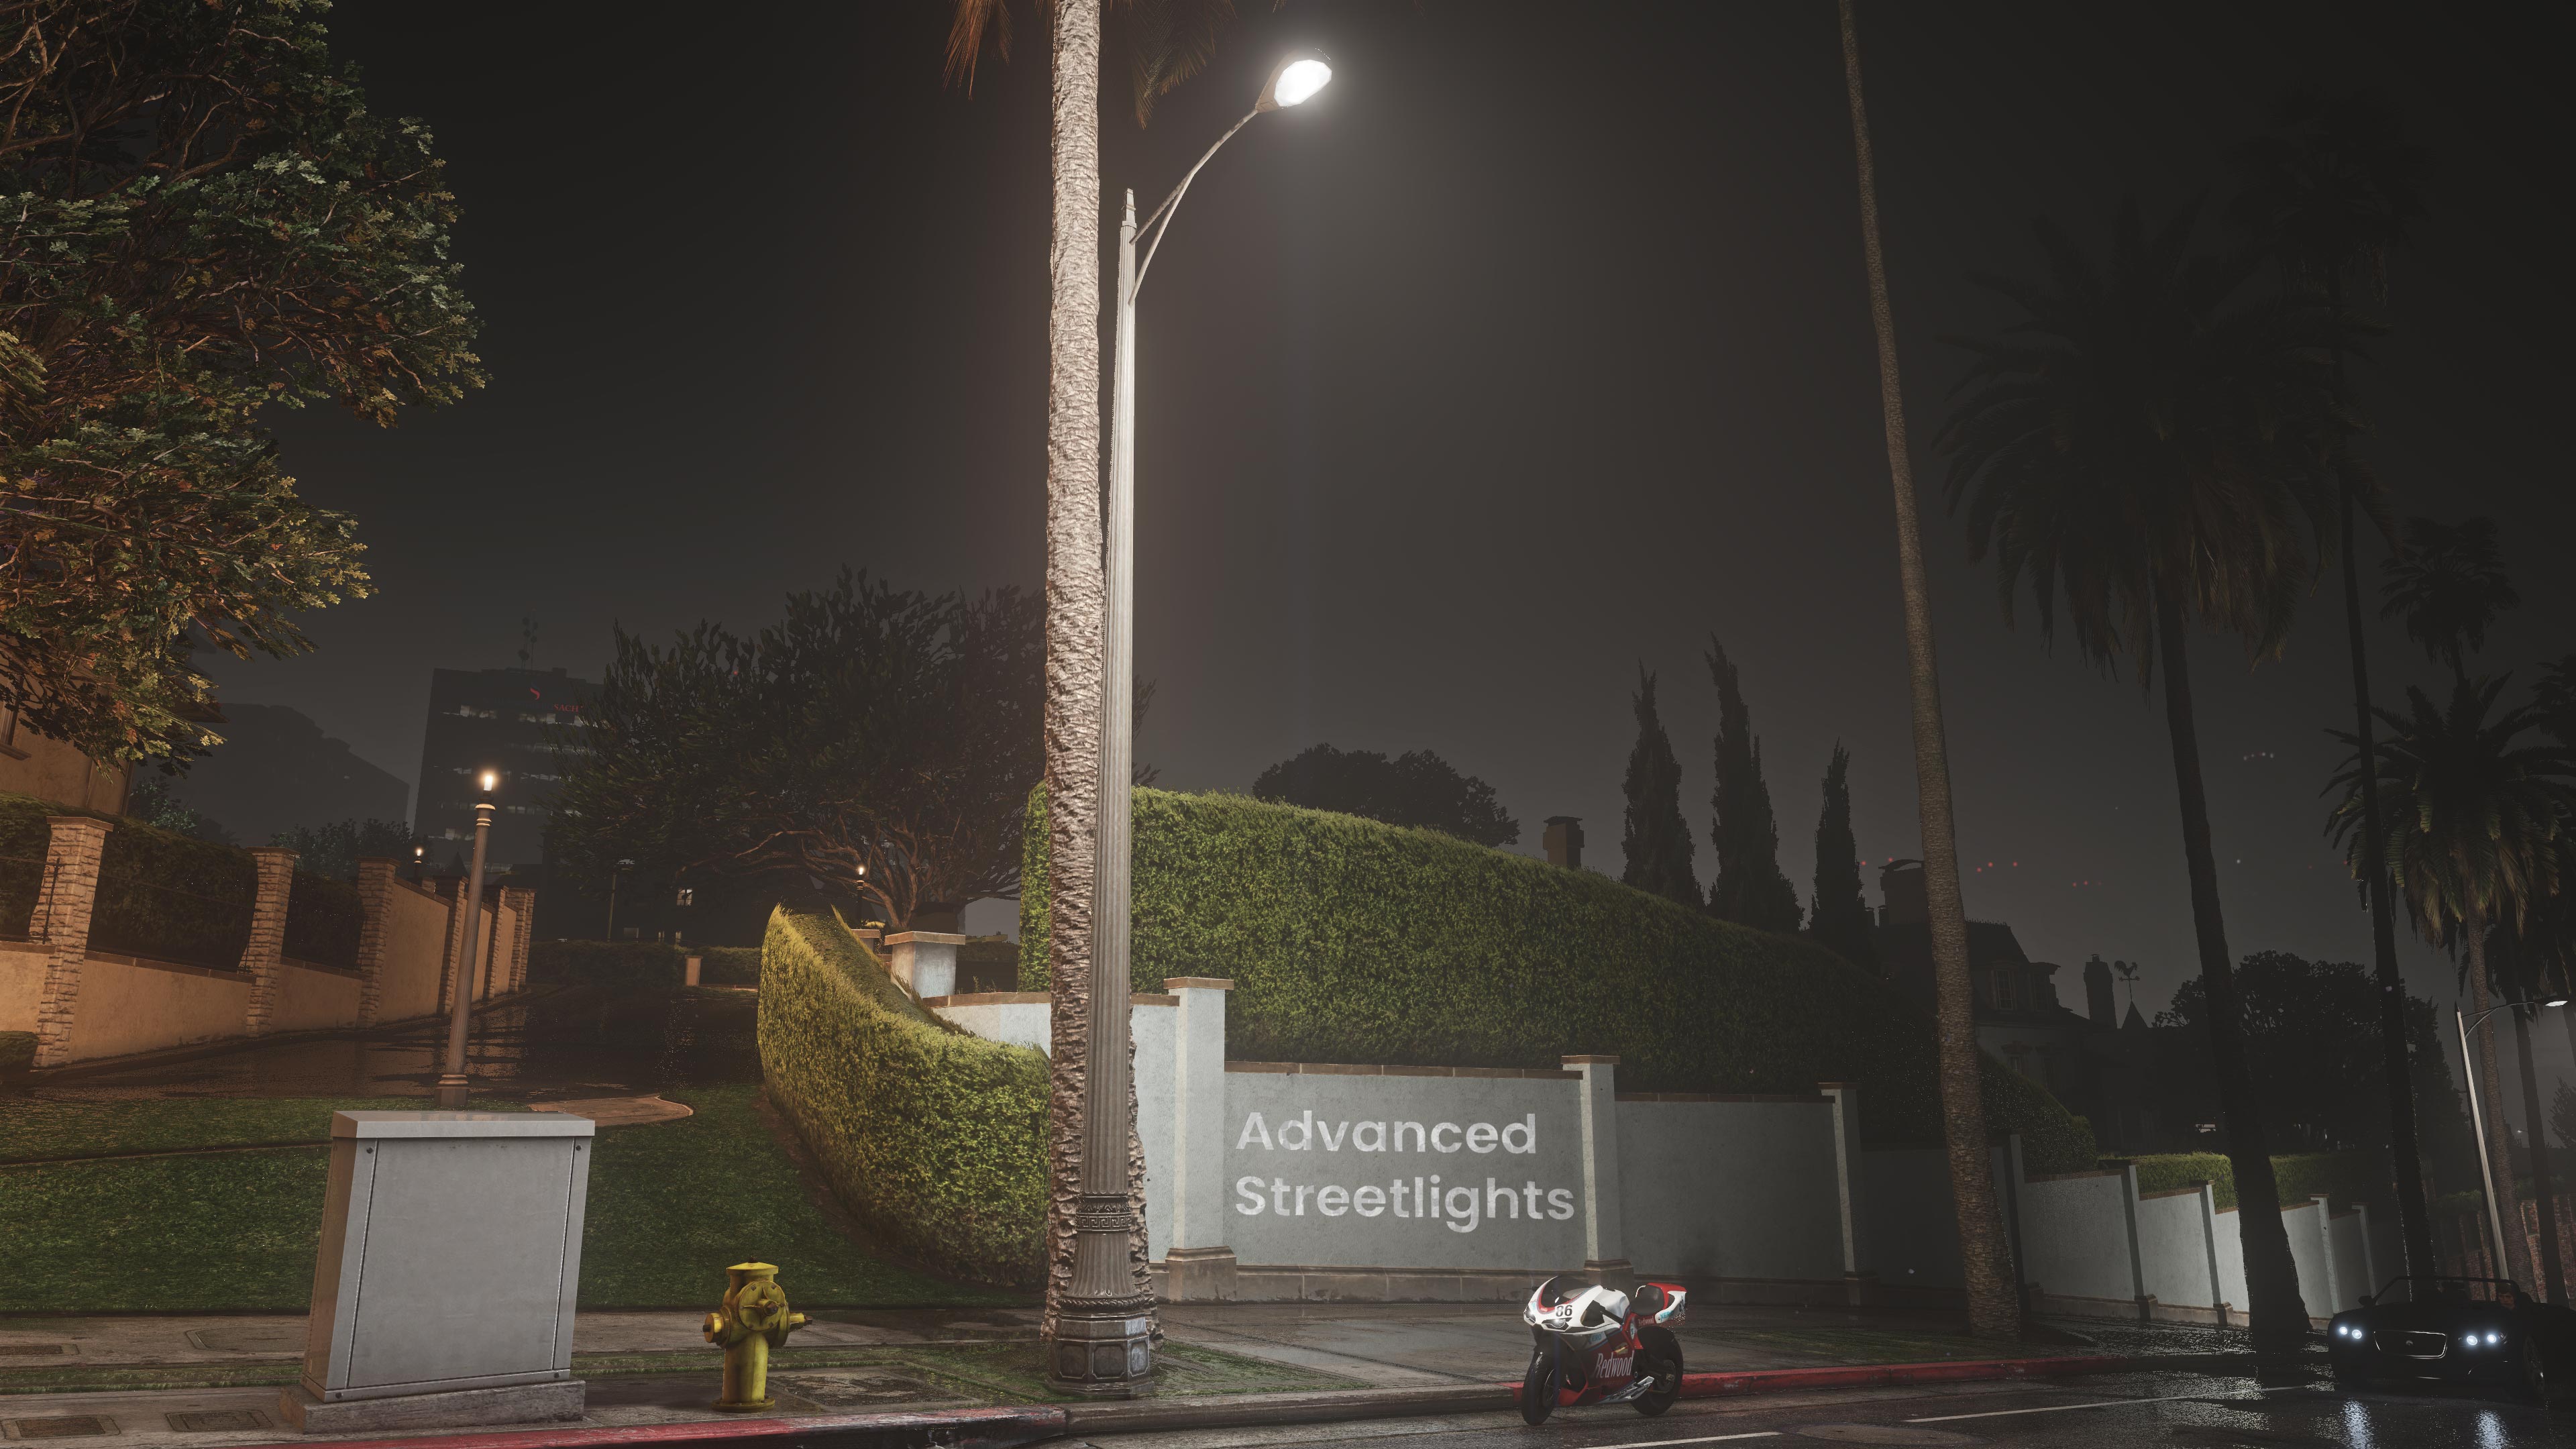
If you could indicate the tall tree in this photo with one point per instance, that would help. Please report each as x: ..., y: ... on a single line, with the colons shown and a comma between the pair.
x: 2524, y: 978
x: 204, y: 219
x: 2446, y: 588
x: 1657, y: 842
x: 2476, y: 832
x: 1994, y: 1308
x: 2146, y: 445
x: 1168, y: 42
x: 1416, y: 788
x: 1749, y: 888
x: 1840, y: 917
x: 2328, y: 193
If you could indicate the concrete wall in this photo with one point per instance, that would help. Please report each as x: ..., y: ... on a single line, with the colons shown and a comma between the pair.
x: 85, y: 1005
x: 2075, y: 1236
x: 135, y: 1008
x: 2173, y: 1246
x: 314, y: 998
x: 1734, y: 1187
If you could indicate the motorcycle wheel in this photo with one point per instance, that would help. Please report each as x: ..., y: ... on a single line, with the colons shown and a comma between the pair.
x: 1538, y: 1390
x: 1660, y: 1350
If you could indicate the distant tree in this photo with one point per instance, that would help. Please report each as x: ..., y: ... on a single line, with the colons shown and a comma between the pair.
x: 1657, y: 841
x: 2447, y: 587
x: 875, y: 743
x: 203, y: 218
x: 335, y: 849
x: 2555, y: 697
x: 150, y: 801
x: 1416, y: 788
x: 1841, y: 915
x: 1750, y: 888
x: 2312, y: 1030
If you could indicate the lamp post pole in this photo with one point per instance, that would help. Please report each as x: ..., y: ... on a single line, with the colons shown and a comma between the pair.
x: 2478, y: 1125
x: 451, y: 1081
x: 613, y: 872
x: 1104, y: 1325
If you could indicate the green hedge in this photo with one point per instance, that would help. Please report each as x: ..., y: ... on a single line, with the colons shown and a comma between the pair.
x: 17, y: 1053
x: 1352, y: 941
x: 323, y: 918
x: 653, y: 965
x: 2346, y: 1177
x: 728, y: 965
x: 24, y: 839
x: 934, y: 1139
x: 166, y: 896
x: 988, y: 963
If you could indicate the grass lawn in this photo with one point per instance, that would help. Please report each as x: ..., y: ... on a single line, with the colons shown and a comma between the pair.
x: 670, y: 1205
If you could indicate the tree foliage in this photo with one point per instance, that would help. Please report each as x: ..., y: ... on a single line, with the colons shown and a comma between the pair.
x: 334, y: 849
x: 876, y: 744
x: 2311, y: 1032
x: 199, y: 216
x: 2446, y: 587
x: 1750, y: 888
x: 1840, y: 918
x: 1657, y: 842
x: 1417, y: 788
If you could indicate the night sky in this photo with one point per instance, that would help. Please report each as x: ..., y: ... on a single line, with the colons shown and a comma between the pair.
x: 1533, y: 350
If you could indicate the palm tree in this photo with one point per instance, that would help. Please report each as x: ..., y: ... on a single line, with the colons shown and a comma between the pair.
x: 2474, y: 823
x: 2148, y: 448
x: 2328, y: 194
x: 2523, y: 970
x: 2447, y: 587
x: 1994, y: 1309
x: 1167, y: 43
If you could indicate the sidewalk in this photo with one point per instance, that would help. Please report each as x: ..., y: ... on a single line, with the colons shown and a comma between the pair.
x: 214, y: 1380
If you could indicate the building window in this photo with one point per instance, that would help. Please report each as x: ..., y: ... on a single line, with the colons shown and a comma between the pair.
x: 2006, y: 998
x: 688, y: 896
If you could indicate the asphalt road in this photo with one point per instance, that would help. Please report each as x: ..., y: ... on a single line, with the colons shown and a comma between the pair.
x: 2192, y: 1412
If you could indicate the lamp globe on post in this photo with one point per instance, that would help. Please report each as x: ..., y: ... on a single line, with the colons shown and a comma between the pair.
x: 1101, y: 1344
x: 469, y: 901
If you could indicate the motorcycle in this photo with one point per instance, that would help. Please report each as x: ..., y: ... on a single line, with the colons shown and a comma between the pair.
x: 1596, y: 1345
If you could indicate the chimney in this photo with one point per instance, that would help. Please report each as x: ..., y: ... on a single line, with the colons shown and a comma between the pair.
x: 2097, y: 992
x: 1565, y: 841
x: 1902, y: 883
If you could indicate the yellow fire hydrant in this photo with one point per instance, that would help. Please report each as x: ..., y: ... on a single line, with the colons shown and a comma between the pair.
x: 753, y: 1321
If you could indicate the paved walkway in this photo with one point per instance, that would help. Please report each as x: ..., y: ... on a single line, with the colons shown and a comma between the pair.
x: 214, y: 1380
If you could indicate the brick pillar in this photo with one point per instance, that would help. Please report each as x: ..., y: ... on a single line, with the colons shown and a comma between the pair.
x: 62, y: 915
x: 522, y: 903
x: 375, y: 906
x: 267, y: 933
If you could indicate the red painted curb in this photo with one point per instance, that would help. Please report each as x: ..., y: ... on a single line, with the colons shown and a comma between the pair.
x: 952, y: 1429
x: 1773, y: 1381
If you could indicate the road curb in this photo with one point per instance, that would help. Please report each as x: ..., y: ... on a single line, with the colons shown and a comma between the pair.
x: 1008, y: 1428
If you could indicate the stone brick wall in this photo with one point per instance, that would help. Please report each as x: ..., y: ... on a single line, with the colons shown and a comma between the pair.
x: 267, y: 946
x: 375, y: 904
x: 62, y: 914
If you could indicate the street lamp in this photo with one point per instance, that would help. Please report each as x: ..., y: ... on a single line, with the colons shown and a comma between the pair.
x: 2478, y: 1123
x: 1102, y: 1344
x: 613, y: 873
x: 451, y: 1082
x: 419, y: 862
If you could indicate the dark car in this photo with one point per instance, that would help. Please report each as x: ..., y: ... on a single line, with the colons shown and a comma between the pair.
x: 2480, y: 1333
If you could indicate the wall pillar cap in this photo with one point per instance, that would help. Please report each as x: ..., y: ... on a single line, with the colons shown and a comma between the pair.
x: 290, y: 852
x: 1198, y: 983
x: 924, y: 938
x: 1602, y: 1061
x: 1835, y: 1086
x: 80, y: 822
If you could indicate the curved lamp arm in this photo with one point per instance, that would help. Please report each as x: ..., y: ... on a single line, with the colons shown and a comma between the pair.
x: 1163, y: 213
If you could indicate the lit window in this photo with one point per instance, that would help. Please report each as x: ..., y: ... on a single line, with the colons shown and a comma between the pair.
x: 688, y: 895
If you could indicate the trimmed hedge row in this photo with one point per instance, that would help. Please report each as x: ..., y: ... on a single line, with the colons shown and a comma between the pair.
x: 323, y: 920
x: 727, y: 965
x: 24, y: 839
x: 166, y: 896
x: 935, y: 1139
x: 652, y: 965
x: 1353, y: 941
x: 2346, y: 1177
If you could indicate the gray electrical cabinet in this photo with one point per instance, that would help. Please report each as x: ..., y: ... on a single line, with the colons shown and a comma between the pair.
x: 451, y: 1257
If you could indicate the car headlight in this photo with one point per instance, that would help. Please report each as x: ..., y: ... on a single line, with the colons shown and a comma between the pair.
x: 2494, y: 1338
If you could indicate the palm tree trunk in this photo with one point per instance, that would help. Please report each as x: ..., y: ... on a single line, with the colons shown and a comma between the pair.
x: 2514, y: 1253
x: 1994, y: 1307
x: 2405, y: 1152
x: 2553, y: 1280
x: 2278, y: 1317
x: 1074, y: 602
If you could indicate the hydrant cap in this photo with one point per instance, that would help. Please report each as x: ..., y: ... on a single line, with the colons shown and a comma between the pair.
x: 753, y: 1268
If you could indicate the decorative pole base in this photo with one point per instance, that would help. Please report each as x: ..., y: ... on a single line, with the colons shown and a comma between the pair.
x: 1103, y: 1348
x: 451, y: 1094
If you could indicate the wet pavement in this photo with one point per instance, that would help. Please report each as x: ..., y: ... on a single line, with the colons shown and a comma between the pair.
x: 577, y: 1042
x: 2098, y: 1412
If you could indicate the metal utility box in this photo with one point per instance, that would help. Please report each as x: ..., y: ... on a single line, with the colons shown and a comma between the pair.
x: 451, y: 1254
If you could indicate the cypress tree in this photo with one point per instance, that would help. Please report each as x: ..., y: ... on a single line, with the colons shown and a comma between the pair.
x: 1750, y: 889
x: 1840, y: 918
x: 1657, y: 842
